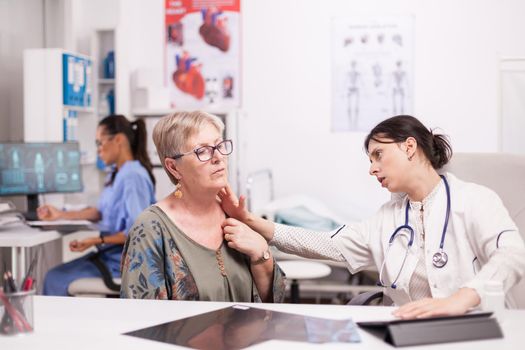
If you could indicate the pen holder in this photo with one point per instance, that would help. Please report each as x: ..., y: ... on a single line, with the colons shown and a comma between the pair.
x: 16, y: 312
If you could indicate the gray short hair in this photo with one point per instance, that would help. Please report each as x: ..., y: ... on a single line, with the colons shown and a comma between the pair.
x: 172, y: 132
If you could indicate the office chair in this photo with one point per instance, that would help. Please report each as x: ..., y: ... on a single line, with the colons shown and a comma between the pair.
x: 105, y: 286
x: 366, y: 298
x: 504, y: 174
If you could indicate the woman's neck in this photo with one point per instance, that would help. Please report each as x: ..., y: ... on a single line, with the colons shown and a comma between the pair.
x: 422, y: 184
x: 202, y: 203
x: 123, y: 158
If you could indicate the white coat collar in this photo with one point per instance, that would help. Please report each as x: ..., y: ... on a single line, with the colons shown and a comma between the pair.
x: 457, y: 193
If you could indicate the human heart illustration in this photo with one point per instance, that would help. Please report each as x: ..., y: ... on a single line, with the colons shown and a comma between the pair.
x: 188, y: 77
x: 214, y: 30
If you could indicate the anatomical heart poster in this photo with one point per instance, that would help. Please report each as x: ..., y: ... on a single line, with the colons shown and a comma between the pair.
x: 372, y: 70
x: 203, y: 53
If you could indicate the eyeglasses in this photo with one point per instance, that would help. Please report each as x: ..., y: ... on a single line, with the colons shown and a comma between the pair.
x: 205, y: 153
x: 100, y: 143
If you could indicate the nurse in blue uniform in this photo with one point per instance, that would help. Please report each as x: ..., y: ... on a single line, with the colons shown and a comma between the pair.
x: 129, y: 189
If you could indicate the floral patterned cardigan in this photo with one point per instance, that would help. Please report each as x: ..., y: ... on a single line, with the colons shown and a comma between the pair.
x: 152, y: 267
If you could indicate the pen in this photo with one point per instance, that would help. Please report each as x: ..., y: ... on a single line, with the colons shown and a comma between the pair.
x: 11, y: 282
x: 6, y: 285
x: 29, y: 272
x: 9, y: 287
x: 28, y: 284
x: 5, y: 276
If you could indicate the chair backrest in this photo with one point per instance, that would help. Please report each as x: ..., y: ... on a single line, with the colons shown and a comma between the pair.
x: 92, y: 287
x: 504, y: 174
x: 97, y: 286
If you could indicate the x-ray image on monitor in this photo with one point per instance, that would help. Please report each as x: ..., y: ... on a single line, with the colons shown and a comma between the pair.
x: 35, y: 168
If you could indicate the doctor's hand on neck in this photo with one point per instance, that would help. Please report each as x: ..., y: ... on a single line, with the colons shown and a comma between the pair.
x: 233, y: 206
x: 236, y: 208
x: 456, y: 304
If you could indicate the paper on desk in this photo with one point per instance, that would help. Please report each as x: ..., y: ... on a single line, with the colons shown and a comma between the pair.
x: 60, y: 222
x: 6, y: 207
x: 9, y: 219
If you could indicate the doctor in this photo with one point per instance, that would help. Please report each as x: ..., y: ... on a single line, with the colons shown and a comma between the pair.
x: 434, y: 243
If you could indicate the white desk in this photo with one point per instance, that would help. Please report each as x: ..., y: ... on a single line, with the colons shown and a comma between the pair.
x: 85, y: 323
x: 19, y: 237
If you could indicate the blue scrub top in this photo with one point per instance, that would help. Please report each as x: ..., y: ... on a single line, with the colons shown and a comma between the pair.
x: 121, y: 202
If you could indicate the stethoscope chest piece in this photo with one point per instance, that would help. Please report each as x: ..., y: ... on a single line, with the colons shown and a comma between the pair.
x: 440, y: 259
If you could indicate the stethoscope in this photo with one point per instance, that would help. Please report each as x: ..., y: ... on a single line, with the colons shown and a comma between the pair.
x: 439, y: 259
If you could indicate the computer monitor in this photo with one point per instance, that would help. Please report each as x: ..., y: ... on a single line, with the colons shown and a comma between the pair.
x: 35, y: 168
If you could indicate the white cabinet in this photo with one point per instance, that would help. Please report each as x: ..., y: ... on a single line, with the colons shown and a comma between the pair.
x: 58, y: 106
x: 58, y: 99
x: 103, y: 50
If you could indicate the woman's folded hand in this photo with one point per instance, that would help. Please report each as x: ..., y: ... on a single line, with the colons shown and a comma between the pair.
x: 242, y: 238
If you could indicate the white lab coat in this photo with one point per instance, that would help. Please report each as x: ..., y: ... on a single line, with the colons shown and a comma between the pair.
x: 477, y: 217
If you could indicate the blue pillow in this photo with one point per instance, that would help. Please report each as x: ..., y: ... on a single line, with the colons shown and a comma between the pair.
x: 303, y: 217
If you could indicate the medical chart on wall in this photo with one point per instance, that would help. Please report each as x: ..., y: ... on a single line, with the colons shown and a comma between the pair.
x: 202, y: 65
x: 372, y: 70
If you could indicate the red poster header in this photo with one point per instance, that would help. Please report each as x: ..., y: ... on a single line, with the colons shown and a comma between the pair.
x: 176, y: 9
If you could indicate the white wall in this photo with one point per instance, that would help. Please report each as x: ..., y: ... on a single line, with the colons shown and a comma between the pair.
x: 14, y: 38
x: 140, y: 40
x: 286, y: 83
x: 286, y: 90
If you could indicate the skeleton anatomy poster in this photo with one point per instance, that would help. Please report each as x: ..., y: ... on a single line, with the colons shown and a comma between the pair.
x: 202, y: 53
x: 372, y: 70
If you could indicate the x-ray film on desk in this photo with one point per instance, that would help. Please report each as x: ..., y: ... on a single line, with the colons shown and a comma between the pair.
x: 238, y: 326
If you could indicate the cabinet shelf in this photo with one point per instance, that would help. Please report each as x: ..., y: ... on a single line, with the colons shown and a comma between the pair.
x: 144, y: 112
x: 103, y: 42
x: 79, y: 109
x: 105, y: 81
x: 57, y: 87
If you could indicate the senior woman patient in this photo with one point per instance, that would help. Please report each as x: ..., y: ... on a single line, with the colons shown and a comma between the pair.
x: 184, y: 247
